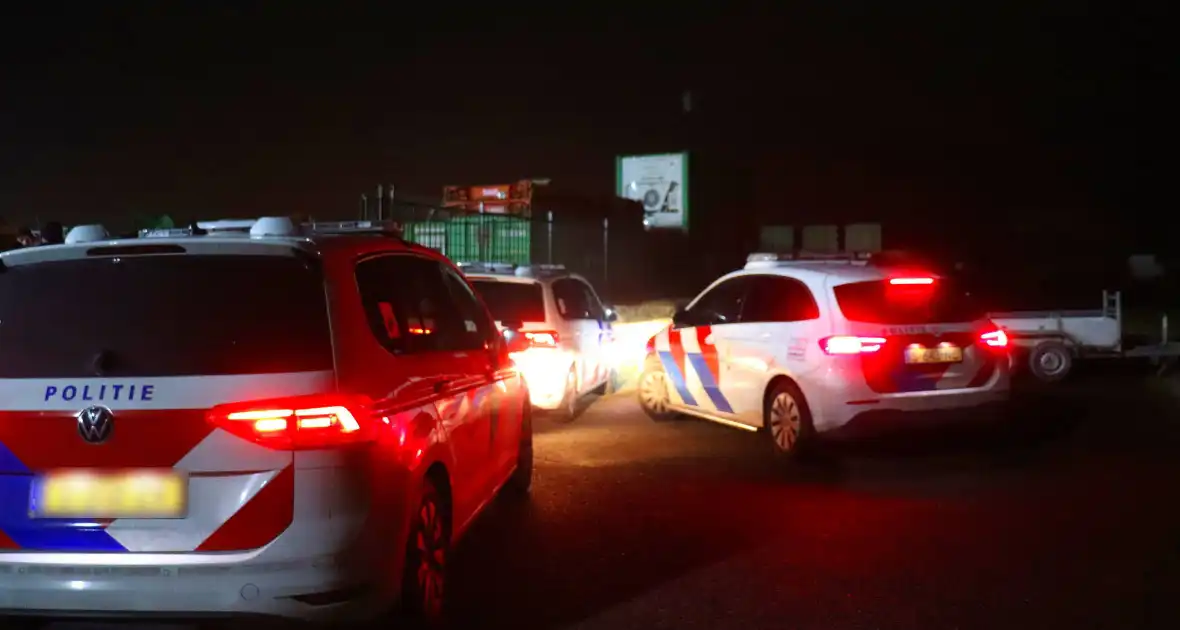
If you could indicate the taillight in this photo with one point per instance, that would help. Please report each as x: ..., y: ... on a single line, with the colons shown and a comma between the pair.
x: 911, y: 281
x: 996, y: 338
x: 542, y: 338
x: 299, y: 423
x: 841, y: 344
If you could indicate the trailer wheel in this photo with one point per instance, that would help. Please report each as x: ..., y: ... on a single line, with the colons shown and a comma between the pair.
x: 1050, y: 362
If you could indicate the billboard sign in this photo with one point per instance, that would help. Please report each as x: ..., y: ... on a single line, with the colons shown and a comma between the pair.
x: 660, y: 183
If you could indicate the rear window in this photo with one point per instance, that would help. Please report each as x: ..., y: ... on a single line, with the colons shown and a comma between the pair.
x: 878, y: 302
x: 163, y: 316
x: 514, y: 301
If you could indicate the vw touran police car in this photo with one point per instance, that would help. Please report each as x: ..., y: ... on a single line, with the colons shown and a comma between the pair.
x: 270, y: 419
x: 798, y: 347
x: 567, y: 328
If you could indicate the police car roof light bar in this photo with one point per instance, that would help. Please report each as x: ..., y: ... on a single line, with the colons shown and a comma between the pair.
x: 227, y: 225
x: 165, y: 232
x: 340, y: 228
x: 805, y: 256
x: 487, y: 267
x: 274, y: 226
x: 278, y: 226
x: 86, y: 234
x: 532, y: 271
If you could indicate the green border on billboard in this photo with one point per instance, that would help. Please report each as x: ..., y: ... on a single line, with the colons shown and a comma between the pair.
x: 684, y: 158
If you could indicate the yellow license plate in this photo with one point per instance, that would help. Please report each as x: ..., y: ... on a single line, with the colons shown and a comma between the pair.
x: 103, y: 495
x: 941, y: 354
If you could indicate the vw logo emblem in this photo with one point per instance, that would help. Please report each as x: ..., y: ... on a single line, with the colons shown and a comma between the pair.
x: 95, y: 424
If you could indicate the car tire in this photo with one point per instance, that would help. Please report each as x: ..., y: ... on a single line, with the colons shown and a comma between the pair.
x: 569, y: 400
x: 652, y: 391
x: 787, y: 420
x: 1050, y: 362
x: 521, y: 481
x: 428, y: 553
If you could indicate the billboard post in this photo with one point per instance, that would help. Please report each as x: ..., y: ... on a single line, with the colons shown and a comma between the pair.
x: 660, y: 184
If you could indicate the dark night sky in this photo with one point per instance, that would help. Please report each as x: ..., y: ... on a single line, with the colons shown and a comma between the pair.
x: 221, y: 111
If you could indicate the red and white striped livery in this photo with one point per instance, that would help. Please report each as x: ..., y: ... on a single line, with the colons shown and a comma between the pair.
x: 800, y: 347
x: 265, y: 419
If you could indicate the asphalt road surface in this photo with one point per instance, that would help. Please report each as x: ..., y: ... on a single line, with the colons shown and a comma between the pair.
x: 1065, y: 515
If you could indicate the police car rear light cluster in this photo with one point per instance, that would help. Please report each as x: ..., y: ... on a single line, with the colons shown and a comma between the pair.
x: 297, y: 423
x: 995, y: 338
x: 542, y: 338
x: 842, y: 344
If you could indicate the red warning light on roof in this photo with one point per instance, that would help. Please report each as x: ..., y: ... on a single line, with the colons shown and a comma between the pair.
x: 911, y: 281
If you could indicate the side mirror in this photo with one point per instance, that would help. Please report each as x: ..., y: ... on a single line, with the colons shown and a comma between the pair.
x: 610, y: 314
x: 679, y: 317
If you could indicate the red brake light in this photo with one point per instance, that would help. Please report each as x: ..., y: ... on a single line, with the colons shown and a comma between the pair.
x: 911, y: 281
x: 542, y: 338
x: 299, y: 423
x: 842, y: 344
x: 995, y: 338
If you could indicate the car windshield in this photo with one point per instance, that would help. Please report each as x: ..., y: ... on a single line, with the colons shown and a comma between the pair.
x: 164, y: 315
x: 879, y: 302
x: 515, y: 301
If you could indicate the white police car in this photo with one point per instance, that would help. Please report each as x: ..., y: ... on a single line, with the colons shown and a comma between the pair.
x: 567, y: 327
x: 258, y: 418
x: 805, y: 346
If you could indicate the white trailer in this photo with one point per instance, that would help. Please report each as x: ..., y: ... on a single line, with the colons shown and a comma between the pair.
x: 1050, y: 341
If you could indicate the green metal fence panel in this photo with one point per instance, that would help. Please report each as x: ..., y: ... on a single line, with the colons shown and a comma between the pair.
x: 476, y: 238
x: 430, y: 234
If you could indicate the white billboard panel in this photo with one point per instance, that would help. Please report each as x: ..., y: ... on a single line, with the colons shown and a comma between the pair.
x: 660, y: 183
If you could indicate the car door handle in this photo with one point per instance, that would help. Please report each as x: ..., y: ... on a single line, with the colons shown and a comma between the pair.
x: 441, y: 386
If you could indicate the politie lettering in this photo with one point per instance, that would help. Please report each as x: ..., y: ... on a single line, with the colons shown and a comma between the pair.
x: 115, y: 392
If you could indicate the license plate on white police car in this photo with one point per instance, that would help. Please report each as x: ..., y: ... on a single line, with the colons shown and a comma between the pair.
x: 103, y: 495
x: 941, y: 354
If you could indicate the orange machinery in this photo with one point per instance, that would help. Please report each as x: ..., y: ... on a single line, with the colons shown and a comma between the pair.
x: 511, y: 199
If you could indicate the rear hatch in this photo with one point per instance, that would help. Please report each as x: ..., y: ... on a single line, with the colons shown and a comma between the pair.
x: 522, y: 303
x: 109, y: 367
x: 513, y: 301
x: 916, y: 333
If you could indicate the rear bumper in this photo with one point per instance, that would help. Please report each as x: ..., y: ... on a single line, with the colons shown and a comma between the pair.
x: 880, y: 422
x: 546, y: 372
x: 337, y: 560
x: 233, y: 588
x: 839, y: 398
